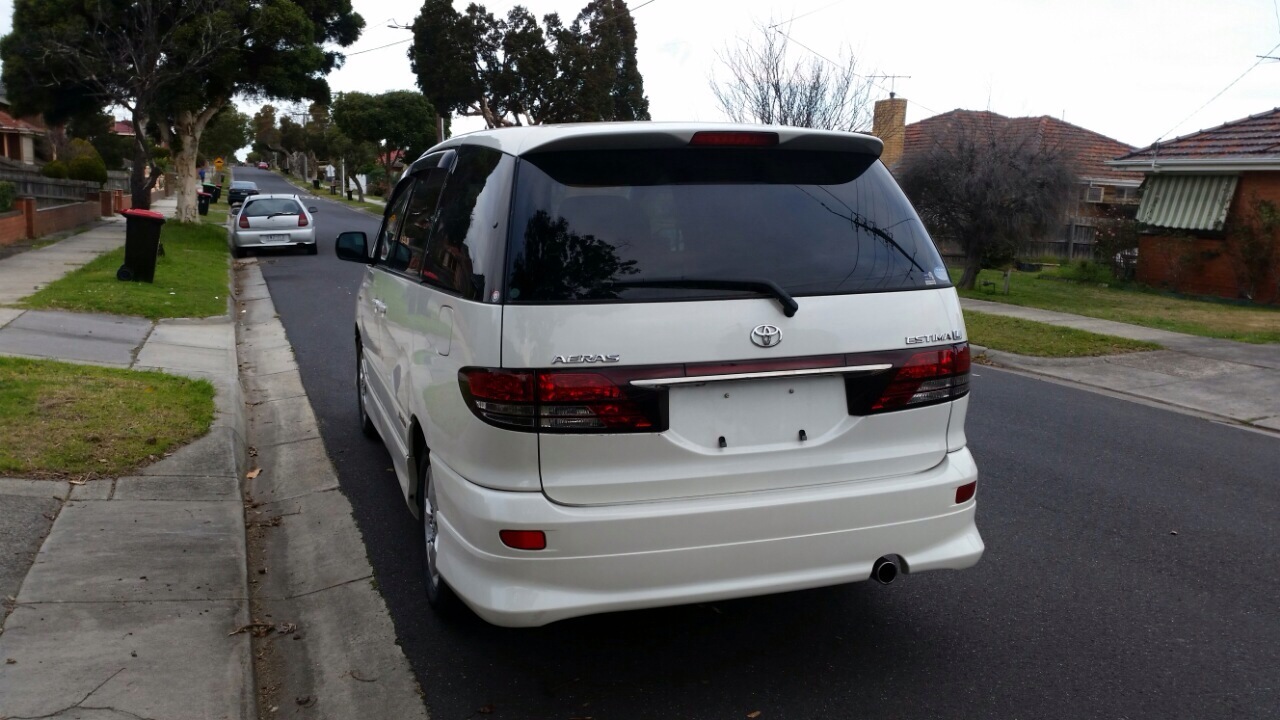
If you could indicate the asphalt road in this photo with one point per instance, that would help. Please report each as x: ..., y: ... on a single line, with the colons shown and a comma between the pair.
x: 1132, y: 571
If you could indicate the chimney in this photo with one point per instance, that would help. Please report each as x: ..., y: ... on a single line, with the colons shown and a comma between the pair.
x: 890, y: 125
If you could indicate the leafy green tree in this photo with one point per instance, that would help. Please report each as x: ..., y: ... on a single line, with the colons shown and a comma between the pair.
x: 398, y: 124
x: 225, y: 134
x: 354, y: 158
x: 514, y: 71
x: 99, y: 129
x: 173, y: 63
x: 68, y: 58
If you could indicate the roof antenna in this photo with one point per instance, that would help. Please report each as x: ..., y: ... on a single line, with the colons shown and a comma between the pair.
x: 892, y: 82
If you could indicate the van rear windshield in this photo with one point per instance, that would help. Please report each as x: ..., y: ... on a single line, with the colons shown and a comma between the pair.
x: 587, y: 226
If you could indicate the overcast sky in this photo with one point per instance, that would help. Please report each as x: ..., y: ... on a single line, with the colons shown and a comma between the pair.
x: 1134, y: 70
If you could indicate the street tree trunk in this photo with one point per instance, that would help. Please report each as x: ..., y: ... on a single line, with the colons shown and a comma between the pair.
x: 187, y: 129
x: 355, y: 180
x: 972, y: 266
x: 139, y: 184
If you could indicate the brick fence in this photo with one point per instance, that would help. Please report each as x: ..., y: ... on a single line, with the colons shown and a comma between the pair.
x: 30, y: 220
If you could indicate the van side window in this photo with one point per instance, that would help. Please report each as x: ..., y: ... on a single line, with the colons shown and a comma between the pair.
x: 469, y: 233
x: 406, y: 250
x: 391, y: 225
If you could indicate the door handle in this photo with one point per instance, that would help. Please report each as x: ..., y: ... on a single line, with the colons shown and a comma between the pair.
x: 380, y: 307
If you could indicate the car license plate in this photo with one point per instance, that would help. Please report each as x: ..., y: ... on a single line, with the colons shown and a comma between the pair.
x: 275, y: 238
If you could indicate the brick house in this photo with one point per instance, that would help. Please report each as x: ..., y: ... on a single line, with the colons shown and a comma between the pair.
x: 1101, y: 190
x: 1199, y: 189
x: 17, y: 135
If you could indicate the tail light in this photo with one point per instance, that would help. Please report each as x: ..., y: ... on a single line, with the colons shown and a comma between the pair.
x: 932, y: 376
x: 244, y: 220
x: 593, y: 400
x: 566, y: 401
x: 302, y: 219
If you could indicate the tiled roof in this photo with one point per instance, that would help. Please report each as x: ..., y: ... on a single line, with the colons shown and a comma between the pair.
x: 122, y: 127
x: 1257, y: 136
x: 1091, y: 150
x: 9, y: 123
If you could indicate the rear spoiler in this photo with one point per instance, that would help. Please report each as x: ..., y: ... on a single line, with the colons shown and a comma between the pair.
x: 617, y: 137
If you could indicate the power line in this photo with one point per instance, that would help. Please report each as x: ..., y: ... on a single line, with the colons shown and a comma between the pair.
x: 868, y: 78
x: 1230, y: 85
x: 380, y: 47
x: 805, y: 15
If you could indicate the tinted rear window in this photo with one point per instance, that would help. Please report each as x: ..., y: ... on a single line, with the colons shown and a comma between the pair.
x: 272, y: 206
x: 816, y: 223
x: 243, y: 185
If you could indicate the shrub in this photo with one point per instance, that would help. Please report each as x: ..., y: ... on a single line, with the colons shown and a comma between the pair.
x: 7, y: 193
x: 87, y: 168
x: 1254, y: 238
x: 56, y: 169
x: 1088, y: 271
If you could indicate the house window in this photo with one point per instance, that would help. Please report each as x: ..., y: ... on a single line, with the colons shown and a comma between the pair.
x: 1126, y: 194
x: 1094, y: 194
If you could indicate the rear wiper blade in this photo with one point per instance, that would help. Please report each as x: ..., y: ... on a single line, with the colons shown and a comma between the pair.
x: 278, y: 214
x: 763, y: 287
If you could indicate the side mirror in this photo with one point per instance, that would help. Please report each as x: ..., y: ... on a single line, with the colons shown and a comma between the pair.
x: 353, y: 246
x: 313, y: 209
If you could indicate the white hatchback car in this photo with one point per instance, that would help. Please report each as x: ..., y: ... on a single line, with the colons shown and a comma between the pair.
x: 639, y: 364
x: 272, y: 221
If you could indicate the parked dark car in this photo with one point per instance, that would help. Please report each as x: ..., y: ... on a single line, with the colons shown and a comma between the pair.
x: 241, y: 189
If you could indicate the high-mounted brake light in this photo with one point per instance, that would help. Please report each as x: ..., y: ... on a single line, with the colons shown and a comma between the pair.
x: 733, y: 138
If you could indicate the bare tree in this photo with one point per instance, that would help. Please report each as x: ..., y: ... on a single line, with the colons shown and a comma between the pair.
x: 990, y: 189
x: 765, y: 85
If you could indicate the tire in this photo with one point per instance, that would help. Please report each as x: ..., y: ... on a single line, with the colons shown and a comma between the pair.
x: 362, y: 389
x: 313, y: 249
x: 237, y: 252
x: 440, y: 596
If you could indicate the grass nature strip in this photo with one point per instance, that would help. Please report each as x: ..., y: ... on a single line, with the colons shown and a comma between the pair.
x: 1027, y: 337
x: 191, y: 279
x: 65, y: 420
x: 1054, y: 290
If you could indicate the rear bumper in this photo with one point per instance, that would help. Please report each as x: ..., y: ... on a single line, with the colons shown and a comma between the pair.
x: 256, y: 239
x: 624, y: 557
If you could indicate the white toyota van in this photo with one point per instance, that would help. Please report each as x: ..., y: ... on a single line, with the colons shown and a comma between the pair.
x: 629, y: 365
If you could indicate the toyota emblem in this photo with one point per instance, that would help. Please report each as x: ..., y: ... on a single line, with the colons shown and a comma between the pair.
x: 766, y: 335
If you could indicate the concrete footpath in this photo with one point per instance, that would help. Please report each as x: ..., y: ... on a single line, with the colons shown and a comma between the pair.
x: 131, y: 597
x: 1232, y: 381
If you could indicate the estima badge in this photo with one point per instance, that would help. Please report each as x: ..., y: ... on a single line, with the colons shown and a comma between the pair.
x: 953, y: 335
x: 766, y: 335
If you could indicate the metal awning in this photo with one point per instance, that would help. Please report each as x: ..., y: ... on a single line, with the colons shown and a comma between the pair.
x: 1187, y: 202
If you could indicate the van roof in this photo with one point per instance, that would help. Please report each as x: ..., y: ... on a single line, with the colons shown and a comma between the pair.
x: 526, y: 139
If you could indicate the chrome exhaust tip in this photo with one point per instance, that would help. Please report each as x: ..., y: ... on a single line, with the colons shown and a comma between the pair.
x: 885, y: 570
